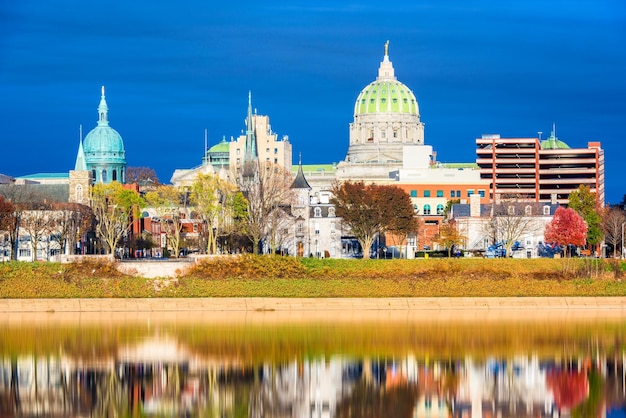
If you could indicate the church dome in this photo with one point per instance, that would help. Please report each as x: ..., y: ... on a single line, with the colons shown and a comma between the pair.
x: 222, y: 146
x: 103, y: 143
x: 384, y: 96
x: 104, y: 140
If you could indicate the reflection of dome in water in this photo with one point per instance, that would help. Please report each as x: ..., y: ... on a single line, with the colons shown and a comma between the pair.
x: 103, y: 149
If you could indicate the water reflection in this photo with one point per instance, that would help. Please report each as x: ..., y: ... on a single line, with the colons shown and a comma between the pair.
x: 274, y: 367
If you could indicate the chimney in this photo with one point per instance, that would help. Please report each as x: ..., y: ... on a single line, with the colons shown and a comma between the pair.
x: 553, y: 199
x: 475, y: 205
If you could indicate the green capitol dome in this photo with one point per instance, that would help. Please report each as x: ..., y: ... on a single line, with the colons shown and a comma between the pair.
x: 103, y: 149
x: 386, y: 120
x: 386, y: 94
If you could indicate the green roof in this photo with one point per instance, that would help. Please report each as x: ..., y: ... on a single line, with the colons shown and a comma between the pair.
x: 315, y: 168
x: 42, y: 176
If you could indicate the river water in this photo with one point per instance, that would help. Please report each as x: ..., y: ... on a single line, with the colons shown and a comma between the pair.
x: 313, y: 364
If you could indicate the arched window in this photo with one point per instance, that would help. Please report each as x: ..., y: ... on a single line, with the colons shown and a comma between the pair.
x: 114, y: 175
x: 528, y: 210
x: 439, y: 209
x: 426, y: 209
x: 93, y: 175
x: 331, y: 212
x: 104, y: 176
x: 317, y: 212
x: 79, y: 193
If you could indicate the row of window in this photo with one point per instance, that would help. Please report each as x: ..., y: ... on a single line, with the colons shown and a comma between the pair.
x: 317, y: 212
x: 427, y: 210
x: 453, y: 193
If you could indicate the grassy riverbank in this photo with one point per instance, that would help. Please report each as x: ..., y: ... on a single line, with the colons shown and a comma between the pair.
x: 267, y: 276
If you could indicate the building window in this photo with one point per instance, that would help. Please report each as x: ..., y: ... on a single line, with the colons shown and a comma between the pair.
x: 546, y: 210
x: 331, y: 212
x: 79, y: 193
x: 93, y: 175
x: 426, y: 193
x: 458, y: 193
x: 415, y: 208
x: 413, y: 193
x: 299, y: 228
x: 275, y: 150
x: 317, y: 228
x: 528, y: 210
x: 395, y: 131
x: 426, y: 209
x: 114, y: 175
x: 511, y: 210
x: 481, y: 193
x: 332, y: 227
x: 439, y: 193
x: 470, y: 192
x: 105, y: 177
x: 451, y: 193
x: 439, y: 209
x: 317, y: 212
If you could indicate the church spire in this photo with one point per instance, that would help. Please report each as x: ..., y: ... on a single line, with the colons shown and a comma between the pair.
x: 251, y: 153
x: 103, y: 111
x: 80, y: 164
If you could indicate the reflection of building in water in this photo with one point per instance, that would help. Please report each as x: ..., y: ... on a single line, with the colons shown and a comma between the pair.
x: 160, y: 377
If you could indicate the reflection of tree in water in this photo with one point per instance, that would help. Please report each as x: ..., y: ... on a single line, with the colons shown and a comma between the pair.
x: 369, y: 401
x: 112, y: 399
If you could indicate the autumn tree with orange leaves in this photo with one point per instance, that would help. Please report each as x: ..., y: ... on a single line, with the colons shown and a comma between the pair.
x: 371, y: 210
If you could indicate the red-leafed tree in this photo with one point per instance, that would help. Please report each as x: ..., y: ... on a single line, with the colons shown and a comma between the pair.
x: 566, y: 228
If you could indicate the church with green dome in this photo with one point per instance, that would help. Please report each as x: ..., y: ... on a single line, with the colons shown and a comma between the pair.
x: 102, y: 151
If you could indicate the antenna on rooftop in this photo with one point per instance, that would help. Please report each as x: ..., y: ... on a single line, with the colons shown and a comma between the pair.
x: 80, y: 132
x: 539, y: 133
x: 206, y: 138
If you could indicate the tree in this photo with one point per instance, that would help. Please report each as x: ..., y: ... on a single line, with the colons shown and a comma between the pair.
x: 449, y: 236
x: 70, y: 222
x: 266, y: 187
x: 20, y: 196
x: 583, y: 201
x: 38, y: 222
x: 613, y: 220
x: 213, y: 198
x: 566, y: 228
x: 166, y: 201
x: 7, y: 210
x: 143, y: 176
x: 370, y: 210
x: 114, y: 208
x: 402, y: 221
x: 509, y: 222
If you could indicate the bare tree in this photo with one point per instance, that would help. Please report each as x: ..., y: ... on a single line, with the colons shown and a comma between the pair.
x: 20, y: 196
x: 71, y: 221
x: 266, y: 187
x: 38, y: 222
x: 510, y: 221
x: 613, y: 220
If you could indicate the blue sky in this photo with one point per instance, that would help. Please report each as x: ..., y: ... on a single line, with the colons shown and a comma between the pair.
x: 173, y: 69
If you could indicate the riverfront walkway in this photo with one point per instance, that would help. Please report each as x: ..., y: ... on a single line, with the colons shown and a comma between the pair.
x: 614, y: 305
